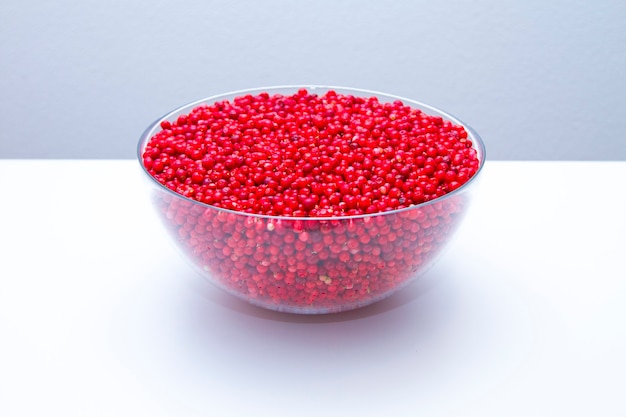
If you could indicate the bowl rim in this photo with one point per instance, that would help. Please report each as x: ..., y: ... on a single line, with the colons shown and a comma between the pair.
x: 477, y: 144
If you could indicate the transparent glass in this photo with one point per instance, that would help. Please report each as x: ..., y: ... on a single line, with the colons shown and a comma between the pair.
x: 311, y: 265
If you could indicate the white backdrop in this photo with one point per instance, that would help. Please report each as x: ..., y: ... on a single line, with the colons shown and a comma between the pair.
x: 537, y: 79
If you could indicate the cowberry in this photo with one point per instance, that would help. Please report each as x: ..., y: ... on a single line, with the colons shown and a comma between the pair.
x: 310, y: 203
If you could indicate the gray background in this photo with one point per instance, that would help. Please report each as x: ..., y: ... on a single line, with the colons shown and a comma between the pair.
x: 537, y: 79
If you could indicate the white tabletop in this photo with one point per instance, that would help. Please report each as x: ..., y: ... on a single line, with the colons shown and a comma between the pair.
x: 523, y: 316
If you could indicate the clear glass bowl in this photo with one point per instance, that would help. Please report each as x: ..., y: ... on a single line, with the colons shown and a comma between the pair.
x: 310, y: 265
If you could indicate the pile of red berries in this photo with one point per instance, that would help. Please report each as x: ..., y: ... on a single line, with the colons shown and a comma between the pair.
x: 324, y: 194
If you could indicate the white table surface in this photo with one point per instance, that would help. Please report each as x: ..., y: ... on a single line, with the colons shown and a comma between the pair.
x: 525, y: 315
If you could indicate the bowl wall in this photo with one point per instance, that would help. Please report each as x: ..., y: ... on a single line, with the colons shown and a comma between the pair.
x: 311, y: 265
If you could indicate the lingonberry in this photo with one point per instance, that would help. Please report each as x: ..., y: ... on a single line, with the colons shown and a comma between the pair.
x: 304, y: 180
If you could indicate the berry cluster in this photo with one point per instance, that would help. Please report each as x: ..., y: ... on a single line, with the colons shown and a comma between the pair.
x: 325, y: 195
x: 310, y: 156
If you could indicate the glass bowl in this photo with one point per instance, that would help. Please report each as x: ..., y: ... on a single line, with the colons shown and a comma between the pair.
x: 310, y: 265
